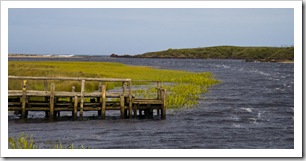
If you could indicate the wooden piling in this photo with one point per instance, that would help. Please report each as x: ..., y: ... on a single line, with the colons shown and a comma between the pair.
x: 122, y: 107
x: 130, y: 99
x: 163, y: 110
x: 52, y: 101
x: 82, y: 98
x: 103, y: 101
x: 123, y: 87
x: 46, y: 98
x: 135, y: 110
x: 158, y: 90
x: 24, y: 100
x: 71, y: 100
x: 99, y: 98
x: 75, y: 107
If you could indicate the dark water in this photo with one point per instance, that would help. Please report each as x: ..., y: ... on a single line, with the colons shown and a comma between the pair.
x: 252, y: 108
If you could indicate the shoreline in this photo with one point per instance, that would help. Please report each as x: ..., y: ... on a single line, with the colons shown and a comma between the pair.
x: 84, y: 56
x: 40, y: 56
x: 246, y: 60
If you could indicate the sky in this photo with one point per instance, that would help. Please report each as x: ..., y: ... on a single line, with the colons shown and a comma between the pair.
x: 132, y: 31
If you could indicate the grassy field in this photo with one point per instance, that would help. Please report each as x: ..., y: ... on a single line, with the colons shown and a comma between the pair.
x: 184, y: 88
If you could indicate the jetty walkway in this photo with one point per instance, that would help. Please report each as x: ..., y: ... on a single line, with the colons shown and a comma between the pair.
x: 52, y: 102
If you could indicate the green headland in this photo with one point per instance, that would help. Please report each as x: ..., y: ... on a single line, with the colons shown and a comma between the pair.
x: 262, y: 54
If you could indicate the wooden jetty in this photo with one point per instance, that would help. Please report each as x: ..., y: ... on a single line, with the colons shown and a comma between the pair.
x: 52, y: 102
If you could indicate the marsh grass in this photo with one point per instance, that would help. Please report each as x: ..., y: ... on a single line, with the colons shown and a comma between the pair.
x: 22, y: 142
x: 183, y: 88
x: 25, y: 142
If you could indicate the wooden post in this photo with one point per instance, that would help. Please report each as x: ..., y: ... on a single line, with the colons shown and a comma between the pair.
x: 52, y: 101
x: 130, y: 99
x: 149, y: 111
x: 103, y: 101
x: 71, y: 100
x: 75, y: 107
x: 163, y: 110
x: 135, y: 110
x: 122, y: 106
x: 158, y: 90
x: 99, y: 99
x: 82, y: 98
x: 24, y: 100
x: 123, y: 87
x: 46, y: 98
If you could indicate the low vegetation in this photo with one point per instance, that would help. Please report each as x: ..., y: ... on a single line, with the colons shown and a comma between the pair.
x: 183, y: 88
x: 26, y: 142
x: 226, y: 52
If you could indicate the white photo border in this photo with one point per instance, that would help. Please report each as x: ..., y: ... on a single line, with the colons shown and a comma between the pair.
x: 296, y: 152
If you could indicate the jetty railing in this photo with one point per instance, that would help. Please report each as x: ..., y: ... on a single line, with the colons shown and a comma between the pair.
x: 99, y: 100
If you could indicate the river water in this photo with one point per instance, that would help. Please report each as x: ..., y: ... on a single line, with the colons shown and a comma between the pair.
x: 253, y: 108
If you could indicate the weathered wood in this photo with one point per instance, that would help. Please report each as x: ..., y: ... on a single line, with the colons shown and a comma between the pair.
x: 127, y: 104
x: 82, y: 98
x: 24, y: 100
x: 46, y: 88
x: 122, y: 106
x: 163, y: 110
x: 14, y: 109
x: 71, y: 78
x: 18, y: 93
x: 71, y: 99
x: 52, y: 101
x: 38, y: 109
x: 157, y: 102
x: 158, y: 90
x: 123, y: 87
x: 58, y: 109
x: 75, y: 107
x: 130, y: 99
x: 103, y: 101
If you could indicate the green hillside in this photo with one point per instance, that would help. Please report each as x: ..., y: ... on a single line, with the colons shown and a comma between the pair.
x: 226, y: 52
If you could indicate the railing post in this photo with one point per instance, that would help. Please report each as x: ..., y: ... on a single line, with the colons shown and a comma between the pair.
x: 123, y: 87
x: 130, y: 99
x: 24, y: 100
x: 103, y: 101
x: 46, y: 98
x: 122, y: 114
x: 52, y: 101
x: 82, y: 98
x: 163, y: 110
x: 75, y: 104
x: 158, y: 90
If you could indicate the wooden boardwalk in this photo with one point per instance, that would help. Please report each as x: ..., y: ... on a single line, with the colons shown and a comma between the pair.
x: 52, y: 102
